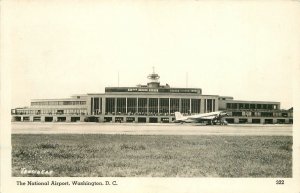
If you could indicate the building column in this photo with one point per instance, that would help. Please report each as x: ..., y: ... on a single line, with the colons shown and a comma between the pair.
x: 103, y: 105
x: 249, y: 120
x: 68, y: 118
x: 180, y: 105
x: 92, y: 106
x: 236, y: 120
x: 115, y: 106
x: 159, y: 119
x: 158, y: 110
x: 190, y: 106
x: 169, y: 107
x: 147, y: 109
x: 137, y: 105
x: 126, y: 106
x: 199, y: 106
x: 101, y: 118
x: 100, y: 105
x: 202, y: 105
x: 216, y: 105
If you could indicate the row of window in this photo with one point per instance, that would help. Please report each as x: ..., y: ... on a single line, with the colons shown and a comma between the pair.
x: 84, y: 112
x: 251, y: 106
x: 141, y: 113
x: 265, y: 121
x: 157, y: 105
x: 52, y: 111
x: 260, y: 114
x: 49, y: 103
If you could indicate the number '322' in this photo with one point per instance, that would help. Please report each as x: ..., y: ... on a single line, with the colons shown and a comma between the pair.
x: 279, y: 181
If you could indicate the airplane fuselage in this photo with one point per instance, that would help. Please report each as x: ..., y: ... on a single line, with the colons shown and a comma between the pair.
x: 209, y: 118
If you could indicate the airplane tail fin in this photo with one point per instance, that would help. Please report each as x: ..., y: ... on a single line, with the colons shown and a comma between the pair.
x: 178, y: 116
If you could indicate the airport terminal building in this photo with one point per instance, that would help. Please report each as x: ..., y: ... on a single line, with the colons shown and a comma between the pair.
x: 150, y: 103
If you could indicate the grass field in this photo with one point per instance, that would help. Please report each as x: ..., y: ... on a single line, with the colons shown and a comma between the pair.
x: 153, y: 156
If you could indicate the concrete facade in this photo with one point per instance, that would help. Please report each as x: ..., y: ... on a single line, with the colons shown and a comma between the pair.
x: 151, y: 103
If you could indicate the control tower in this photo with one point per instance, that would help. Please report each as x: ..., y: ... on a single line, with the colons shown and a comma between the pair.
x: 153, y: 80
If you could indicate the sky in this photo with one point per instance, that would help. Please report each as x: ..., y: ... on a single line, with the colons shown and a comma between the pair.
x: 248, y: 50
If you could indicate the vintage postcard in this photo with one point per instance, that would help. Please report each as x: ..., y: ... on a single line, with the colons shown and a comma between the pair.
x: 150, y: 96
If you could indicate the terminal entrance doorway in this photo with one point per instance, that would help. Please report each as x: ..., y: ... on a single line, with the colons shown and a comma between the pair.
x: 107, y: 119
x: 17, y: 119
x: 268, y: 121
x: 91, y: 119
x: 119, y: 119
x: 130, y: 119
x: 48, y: 119
x: 165, y: 120
x: 61, y: 119
x: 230, y: 120
x: 280, y: 121
x: 153, y: 120
x: 142, y: 120
x: 256, y: 121
x: 36, y: 118
x: 75, y: 119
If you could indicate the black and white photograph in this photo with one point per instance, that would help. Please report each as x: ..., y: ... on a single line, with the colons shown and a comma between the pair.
x: 150, y: 96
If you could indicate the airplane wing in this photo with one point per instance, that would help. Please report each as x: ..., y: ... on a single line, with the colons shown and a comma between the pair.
x: 203, y: 118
